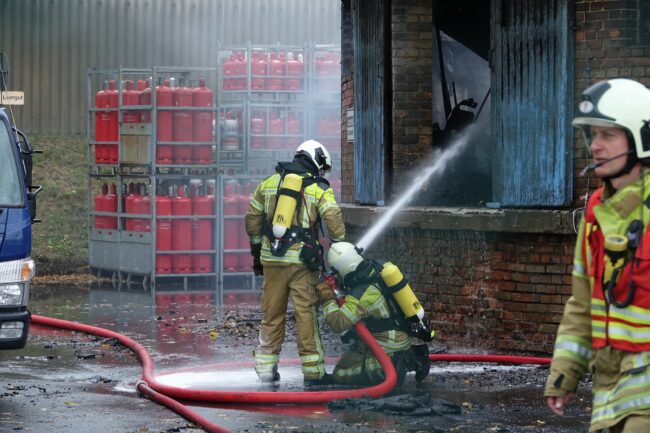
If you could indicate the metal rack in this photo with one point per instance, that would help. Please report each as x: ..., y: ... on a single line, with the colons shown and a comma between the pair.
x: 129, y: 256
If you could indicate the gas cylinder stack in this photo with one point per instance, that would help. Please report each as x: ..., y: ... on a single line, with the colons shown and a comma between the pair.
x: 285, y: 94
x: 153, y: 171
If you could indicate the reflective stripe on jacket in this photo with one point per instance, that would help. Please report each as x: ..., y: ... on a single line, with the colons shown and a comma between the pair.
x: 372, y: 304
x: 317, y: 202
x: 625, y: 328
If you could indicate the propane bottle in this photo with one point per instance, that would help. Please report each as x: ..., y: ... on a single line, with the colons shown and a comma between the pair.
x: 202, y: 229
x: 276, y: 130
x: 145, y: 99
x: 110, y: 205
x: 230, y: 209
x: 258, y: 72
x: 163, y: 234
x: 295, y: 71
x: 164, y: 98
x: 406, y: 299
x: 242, y: 71
x: 245, y: 260
x: 137, y: 224
x: 112, y: 132
x: 182, y: 129
x: 294, y: 130
x: 257, y: 131
x: 276, y: 74
x: 181, y: 232
x: 230, y: 133
x: 102, y: 121
x: 286, y: 205
x: 202, y: 124
x: 129, y: 207
x: 130, y: 96
x: 228, y: 71
x: 99, y: 207
x: 145, y: 208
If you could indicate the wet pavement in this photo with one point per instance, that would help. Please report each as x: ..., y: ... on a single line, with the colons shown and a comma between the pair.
x: 71, y: 382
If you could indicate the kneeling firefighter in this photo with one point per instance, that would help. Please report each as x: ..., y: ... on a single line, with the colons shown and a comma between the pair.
x: 282, y: 222
x: 377, y: 293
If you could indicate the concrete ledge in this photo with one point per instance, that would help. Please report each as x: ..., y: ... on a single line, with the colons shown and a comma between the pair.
x: 477, y: 219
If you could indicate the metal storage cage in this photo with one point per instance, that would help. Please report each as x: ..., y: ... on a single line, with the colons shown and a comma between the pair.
x: 134, y: 152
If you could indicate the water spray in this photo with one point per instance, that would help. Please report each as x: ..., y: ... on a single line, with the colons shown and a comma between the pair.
x: 441, y: 159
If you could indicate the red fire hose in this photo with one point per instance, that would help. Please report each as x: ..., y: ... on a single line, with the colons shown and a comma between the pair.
x: 166, y: 395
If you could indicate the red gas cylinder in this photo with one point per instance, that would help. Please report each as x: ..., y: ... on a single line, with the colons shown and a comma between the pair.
x: 276, y: 132
x: 129, y: 207
x: 258, y: 71
x: 258, y: 131
x: 163, y: 234
x: 181, y: 233
x: 242, y: 72
x: 110, y: 205
x: 145, y: 209
x: 130, y: 96
x: 202, y: 124
x: 112, y: 133
x: 137, y: 224
x: 295, y: 73
x: 202, y: 232
x: 230, y: 225
x: 229, y: 70
x: 99, y: 207
x: 164, y: 98
x: 276, y: 73
x: 245, y: 260
x: 145, y: 99
x: 102, y: 122
x: 182, y: 129
x: 294, y: 130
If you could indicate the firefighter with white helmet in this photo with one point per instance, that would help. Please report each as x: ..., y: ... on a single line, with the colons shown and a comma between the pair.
x: 379, y: 295
x: 605, y: 328
x: 283, y: 222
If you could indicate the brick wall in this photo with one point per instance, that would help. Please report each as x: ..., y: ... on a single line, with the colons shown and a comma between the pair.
x: 347, y: 102
x: 485, y: 290
x: 411, y: 56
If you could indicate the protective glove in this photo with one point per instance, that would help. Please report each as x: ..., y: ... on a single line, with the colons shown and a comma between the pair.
x: 325, y: 292
x: 256, y: 251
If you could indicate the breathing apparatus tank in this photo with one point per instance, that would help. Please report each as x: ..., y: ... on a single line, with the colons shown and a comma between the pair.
x: 407, y: 301
x: 286, y: 206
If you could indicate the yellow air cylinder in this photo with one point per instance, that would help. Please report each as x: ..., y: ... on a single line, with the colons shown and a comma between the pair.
x: 404, y: 296
x: 286, y: 205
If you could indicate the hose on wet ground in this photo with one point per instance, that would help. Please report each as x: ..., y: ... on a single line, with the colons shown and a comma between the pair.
x: 168, y: 395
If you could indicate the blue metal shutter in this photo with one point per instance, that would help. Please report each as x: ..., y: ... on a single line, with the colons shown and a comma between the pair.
x: 369, y: 138
x: 532, y: 102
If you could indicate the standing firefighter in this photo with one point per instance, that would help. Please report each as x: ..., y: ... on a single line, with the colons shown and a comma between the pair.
x: 282, y: 222
x: 379, y: 295
x: 606, y: 323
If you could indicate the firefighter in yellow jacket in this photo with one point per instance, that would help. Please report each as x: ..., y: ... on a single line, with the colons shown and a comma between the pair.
x: 282, y: 222
x: 605, y: 328
x: 370, y: 299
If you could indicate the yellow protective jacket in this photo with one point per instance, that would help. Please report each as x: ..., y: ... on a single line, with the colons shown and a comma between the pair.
x: 317, y: 202
x: 621, y: 378
x: 361, y: 303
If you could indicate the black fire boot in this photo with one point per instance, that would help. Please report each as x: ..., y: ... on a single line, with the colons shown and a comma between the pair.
x: 420, y: 359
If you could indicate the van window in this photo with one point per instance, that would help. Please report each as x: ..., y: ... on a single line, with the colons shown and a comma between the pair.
x: 11, y: 184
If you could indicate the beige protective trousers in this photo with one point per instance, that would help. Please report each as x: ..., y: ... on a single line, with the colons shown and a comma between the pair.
x: 298, y: 283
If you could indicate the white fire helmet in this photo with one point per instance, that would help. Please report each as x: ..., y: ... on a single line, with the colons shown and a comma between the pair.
x: 344, y: 257
x: 317, y: 153
x: 617, y: 103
